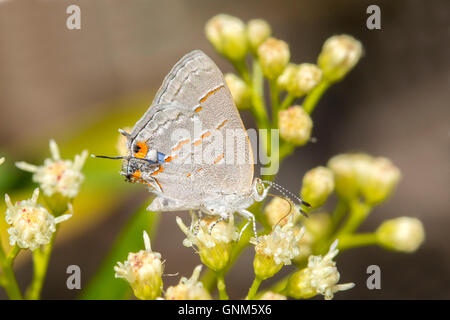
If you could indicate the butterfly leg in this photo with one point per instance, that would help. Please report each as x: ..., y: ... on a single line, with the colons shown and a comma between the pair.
x: 250, y: 217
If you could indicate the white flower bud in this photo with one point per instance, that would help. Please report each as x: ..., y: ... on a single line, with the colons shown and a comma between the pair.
x: 279, y: 211
x: 269, y: 295
x: 258, y: 31
x: 318, y: 183
x: 2, y: 160
x: 189, y: 289
x: 31, y: 224
x: 403, y: 234
x: 295, y: 125
x: 228, y: 36
x: 306, y: 78
x: 143, y: 271
x: 339, y: 55
x: 274, y: 56
x: 239, y: 90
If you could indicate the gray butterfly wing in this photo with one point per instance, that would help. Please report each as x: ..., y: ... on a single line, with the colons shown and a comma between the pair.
x: 193, y: 115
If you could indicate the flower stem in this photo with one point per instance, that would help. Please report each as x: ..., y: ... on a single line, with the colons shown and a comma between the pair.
x: 242, y: 69
x: 254, y: 288
x: 287, y: 101
x: 8, y: 279
x: 221, y: 286
x: 338, y: 213
x: 258, y: 106
x: 358, y: 213
x: 348, y: 241
x: 275, y: 101
x: 314, y: 96
x: 41, y: 257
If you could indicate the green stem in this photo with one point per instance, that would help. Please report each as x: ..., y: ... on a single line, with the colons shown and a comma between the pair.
x: 241, y: 68
x: 338, y: 213
x: 314, y: 96
x: 275, y: 101
x: 221, y: 286
x: 41, y: 257
x: 8, y: 279
x: 348, y: 241
x: 288, y: 101
x: 253, y: 289
x: 258, y: 106
x: 358, y: 213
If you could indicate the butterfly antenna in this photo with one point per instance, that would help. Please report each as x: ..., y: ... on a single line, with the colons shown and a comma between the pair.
x: 107, y: 157
x: 288, y: 195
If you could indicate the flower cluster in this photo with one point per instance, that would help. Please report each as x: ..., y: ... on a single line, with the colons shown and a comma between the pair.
x: 212, y: 239
x: 56, y: 175
x: 358, y: 174
x: 143, y: 270
x: 31, y: 223
x: 189, y: 289
x: 320, y: 277
x: 276, y: 249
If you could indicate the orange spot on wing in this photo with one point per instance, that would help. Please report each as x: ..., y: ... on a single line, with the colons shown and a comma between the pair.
x: 210, y: 93
x: 159, y: 184
x: 205, y: 135
x: 160, y: 169
x: 198, y: 142
x: 222, y: 124
x: 198, y: 109
x: 188, y: 175
x: 143, y: 149
x: 170, y: 158
x: 137, y: 174
x: 199, y: 170
x: 180, y: 144
x: 218, y: 158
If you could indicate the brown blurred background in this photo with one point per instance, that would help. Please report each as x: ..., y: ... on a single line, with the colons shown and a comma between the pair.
x: 395, y: 103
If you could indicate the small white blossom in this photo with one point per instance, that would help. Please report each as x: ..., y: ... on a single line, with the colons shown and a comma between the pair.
x: 57, y: 175
x: 276, y: 249
x: 31, y: 224
x: 212, y: 240
x: 143, y: 270
x: 189, y: 289
x: 319, y: 277
x: 2, y: 160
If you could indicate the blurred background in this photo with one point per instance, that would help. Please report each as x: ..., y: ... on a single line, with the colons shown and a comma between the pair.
x: 79, y: 86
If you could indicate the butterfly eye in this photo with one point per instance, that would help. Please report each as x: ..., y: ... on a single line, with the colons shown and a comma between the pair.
x: 260, y: 188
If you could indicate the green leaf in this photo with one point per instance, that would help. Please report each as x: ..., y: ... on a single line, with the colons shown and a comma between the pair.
x: 104, y: 286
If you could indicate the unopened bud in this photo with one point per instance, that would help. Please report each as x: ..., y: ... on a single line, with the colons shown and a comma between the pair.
x: 403, y: 234
x: 258, y: 31
x: 295, y: 125
x: 273, y: 55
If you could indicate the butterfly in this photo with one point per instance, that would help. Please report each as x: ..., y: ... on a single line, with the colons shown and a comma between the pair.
x: 182, y: 150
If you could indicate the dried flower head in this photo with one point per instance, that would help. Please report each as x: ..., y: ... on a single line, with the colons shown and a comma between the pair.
x: 143, y: 271
x: 339, y: 55
x: 239, y: 90
x: 56, y: 175
x: 318, y: 183
x: 31, y: 224
x: 275, y: 250
x: 213, y: 240
x: 228, y: 36
x: 319, y: 277
x: 189, y: 289
x: 403, y: 234
x: 295, y: 125
x: 258, y: 31
x: 274, y: 56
